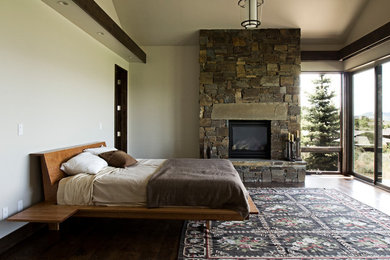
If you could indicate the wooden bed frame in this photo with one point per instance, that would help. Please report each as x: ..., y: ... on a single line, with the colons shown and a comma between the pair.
x: 53, y: 214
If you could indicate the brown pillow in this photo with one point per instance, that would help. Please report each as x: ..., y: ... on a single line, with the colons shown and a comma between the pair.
x: 118, y: 159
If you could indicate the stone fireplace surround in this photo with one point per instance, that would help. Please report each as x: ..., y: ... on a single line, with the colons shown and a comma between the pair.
x: 250, y: 75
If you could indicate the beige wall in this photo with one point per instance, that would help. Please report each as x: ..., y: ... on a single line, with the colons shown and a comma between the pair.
x: 58, y: 82
x: 164, y: 108
x: 321, y: 66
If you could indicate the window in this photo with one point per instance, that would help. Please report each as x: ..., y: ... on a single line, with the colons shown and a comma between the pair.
x: 363, y: 115
x: 320, y: 102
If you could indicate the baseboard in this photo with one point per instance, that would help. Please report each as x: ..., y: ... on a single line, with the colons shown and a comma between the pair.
x: 19, y: 235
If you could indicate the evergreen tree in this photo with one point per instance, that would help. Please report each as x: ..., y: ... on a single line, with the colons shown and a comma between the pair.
x: 321, y: 121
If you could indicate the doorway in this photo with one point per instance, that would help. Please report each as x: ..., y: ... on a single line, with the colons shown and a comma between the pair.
x: 120, y: 134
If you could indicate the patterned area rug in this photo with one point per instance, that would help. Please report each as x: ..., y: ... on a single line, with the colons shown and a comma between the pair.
x: 294, y: 223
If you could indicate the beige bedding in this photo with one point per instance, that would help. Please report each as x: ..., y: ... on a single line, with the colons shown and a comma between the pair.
x: 110, y: 187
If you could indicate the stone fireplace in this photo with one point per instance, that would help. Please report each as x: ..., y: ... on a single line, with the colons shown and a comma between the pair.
x: 248, y: 75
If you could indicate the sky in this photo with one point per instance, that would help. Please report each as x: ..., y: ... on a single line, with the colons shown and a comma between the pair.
x: 364, y: 90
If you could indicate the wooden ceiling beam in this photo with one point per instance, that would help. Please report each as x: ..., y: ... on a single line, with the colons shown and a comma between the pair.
x: 319, y: 55
x: 102, y: 18
x: 366, y: 42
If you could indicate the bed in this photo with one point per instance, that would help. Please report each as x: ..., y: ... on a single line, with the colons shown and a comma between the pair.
x: 53, y: 214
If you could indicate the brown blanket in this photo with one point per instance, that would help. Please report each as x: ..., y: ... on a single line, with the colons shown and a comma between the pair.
x: 212, y: 183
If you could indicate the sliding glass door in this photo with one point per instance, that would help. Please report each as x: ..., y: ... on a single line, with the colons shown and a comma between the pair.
x: 386, y: 124
x: 371, y: 124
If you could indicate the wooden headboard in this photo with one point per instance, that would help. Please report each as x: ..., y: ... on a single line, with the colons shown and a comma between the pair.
x: 51, y: 162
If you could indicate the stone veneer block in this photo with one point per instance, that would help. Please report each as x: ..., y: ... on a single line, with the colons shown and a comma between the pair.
x: 278, y: 175
x: 291, y: 175
x: 266, y: 177
x: 301, y: 175
x: 250, y: 111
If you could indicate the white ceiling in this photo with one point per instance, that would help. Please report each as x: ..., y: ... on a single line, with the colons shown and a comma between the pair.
x: 177, y: 22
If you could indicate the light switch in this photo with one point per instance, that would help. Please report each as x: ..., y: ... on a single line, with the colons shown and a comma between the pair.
x: 20, y: 129
x: 100, y: 126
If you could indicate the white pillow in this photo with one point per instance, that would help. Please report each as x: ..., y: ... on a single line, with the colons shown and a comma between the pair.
x: 83, y: 163
x: 100, y: 150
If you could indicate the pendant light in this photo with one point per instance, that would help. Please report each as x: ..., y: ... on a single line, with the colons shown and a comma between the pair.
x: 251, y: 14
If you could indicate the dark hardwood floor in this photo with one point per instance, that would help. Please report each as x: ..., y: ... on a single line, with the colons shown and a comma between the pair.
x: 84, y: 238
x: 152, y: 239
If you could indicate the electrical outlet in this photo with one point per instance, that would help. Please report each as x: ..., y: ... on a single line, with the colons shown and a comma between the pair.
x: 20, y: 205
x: 5, y: 212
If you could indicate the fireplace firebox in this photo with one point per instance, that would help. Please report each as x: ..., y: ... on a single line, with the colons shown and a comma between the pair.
x: 250, y: 139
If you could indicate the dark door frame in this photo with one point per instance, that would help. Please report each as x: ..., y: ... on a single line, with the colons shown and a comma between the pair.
x: 120, y: 109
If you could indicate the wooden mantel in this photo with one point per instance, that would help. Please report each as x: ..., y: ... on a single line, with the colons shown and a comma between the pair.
x: 91, y: 18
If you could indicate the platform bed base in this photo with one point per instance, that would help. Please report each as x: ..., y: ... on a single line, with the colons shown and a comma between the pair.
x: 54, y: 215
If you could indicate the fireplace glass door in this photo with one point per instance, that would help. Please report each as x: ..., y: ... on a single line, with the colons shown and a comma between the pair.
x: 249, y: 139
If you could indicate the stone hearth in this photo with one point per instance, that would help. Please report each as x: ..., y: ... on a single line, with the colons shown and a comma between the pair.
x: 260, y: 171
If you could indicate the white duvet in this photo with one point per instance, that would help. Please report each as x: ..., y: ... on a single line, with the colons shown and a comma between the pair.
x: 110, y: 187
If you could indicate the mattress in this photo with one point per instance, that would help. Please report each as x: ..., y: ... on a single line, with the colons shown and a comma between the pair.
x: 109, y: 187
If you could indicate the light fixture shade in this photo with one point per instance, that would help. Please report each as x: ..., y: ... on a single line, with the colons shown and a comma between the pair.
x: 250, y: 12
